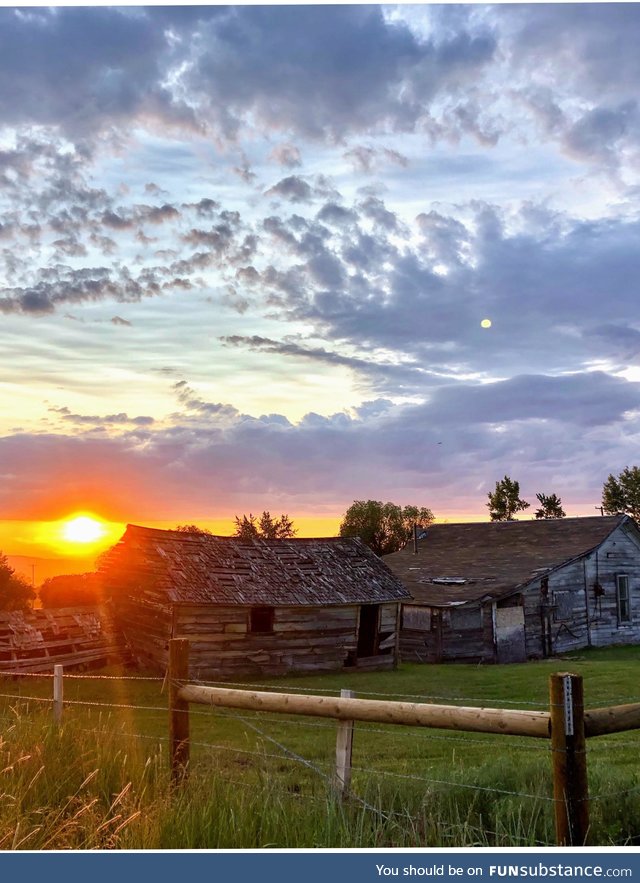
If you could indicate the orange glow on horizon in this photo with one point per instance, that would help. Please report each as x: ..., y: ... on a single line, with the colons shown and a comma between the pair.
x: 80, y: 534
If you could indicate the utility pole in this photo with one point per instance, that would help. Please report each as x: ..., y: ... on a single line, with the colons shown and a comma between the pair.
x: 600, y: 508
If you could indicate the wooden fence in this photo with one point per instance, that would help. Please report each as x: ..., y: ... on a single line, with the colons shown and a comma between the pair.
x: 567, y: 725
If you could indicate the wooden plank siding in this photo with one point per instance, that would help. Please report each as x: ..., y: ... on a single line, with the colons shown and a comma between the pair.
x: 253, y: 607
x: 304, y: 639
x: 457, y: 634
x: 579, y: 615
x: 516, y: 591
x: 222, y: 647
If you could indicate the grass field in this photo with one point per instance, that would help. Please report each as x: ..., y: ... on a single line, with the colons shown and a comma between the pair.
x: 261, y: 781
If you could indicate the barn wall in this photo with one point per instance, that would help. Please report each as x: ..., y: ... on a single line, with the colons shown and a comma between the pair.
x: 455, y: 634
x: 146, y: 629
x: 304, y: 639
x: 619, y: 554
x: 573, y: 615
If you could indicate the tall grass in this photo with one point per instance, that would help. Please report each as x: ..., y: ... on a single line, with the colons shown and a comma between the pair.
x: 101, y: 781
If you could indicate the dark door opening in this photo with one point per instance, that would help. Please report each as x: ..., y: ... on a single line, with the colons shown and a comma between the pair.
x: 368, y: 630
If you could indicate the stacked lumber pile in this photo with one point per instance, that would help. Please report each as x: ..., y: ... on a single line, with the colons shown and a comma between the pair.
x: 71, y: 636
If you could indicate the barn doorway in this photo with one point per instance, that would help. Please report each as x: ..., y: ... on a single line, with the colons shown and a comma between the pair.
x: 510, y: 634
x: 368, y: 630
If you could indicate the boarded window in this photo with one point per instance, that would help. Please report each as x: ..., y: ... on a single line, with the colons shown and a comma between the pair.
x: 623, y: 598
x: 563, y: 606
x: 261, y: 620
x: 417, y: 618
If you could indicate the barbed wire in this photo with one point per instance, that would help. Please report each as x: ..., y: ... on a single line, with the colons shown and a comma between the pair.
x: 616, y: 793
x: 287, y: 754
x: 448, y: 784
x: 421, y: 697
x: 83, y: 677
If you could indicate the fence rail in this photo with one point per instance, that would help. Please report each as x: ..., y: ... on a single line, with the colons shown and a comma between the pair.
x: 566, y: 725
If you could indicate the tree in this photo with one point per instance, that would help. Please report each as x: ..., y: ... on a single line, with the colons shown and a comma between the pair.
x: 505, y: 501
x: 192, y: 528
x: 15, y: 591
x: 384, y: 527
x: 71, y: 590
x: 550, y: 506
x: 622, y: 494
x: 266, y: 527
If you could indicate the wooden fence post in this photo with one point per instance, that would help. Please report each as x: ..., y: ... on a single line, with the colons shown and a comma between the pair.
x: 178, y: 709
x: 58, y: 671
x: 569, y: 759
x: 344, y: 748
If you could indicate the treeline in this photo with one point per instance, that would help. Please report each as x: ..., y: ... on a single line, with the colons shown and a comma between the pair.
x: 384, y: 527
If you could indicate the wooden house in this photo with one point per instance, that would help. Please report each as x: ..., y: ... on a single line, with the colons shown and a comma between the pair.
x: 253, y: 607
x: 515, y: 590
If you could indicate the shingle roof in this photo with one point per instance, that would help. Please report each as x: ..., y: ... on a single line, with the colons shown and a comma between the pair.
x: 491, y: 559
x: 201, y: 568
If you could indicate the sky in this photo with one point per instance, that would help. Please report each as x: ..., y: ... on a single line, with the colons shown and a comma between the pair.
x: 289, y: 257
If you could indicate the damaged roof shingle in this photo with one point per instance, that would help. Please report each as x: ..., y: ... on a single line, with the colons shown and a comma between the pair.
x: 201, y: 568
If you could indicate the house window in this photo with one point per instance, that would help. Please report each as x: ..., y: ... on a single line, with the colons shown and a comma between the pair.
x: 623, y: 599
x: 261, y: 620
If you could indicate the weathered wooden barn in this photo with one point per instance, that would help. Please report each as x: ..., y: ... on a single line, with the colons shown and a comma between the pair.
x: 253, y: 607
x: 516, y: 590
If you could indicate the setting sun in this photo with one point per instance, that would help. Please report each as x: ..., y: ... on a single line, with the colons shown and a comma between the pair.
x: 83, y: 529
x: 80, y: 534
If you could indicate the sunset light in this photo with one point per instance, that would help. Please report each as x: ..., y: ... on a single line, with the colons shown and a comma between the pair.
x: 81, y: 535
x: 83, y: 529
x: 226, y: 291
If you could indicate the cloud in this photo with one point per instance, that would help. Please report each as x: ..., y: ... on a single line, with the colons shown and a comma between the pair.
x: 219, y: 460
x: 378, y: 375
x: 263, y: 64
x: 294, y: 188
x: 197, y: 164
x: 286, y: 155
x: 101, y: 422
x: 83, y: 69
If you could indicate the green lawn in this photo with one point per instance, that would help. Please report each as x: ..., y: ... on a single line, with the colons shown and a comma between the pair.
x: 261, y: 780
